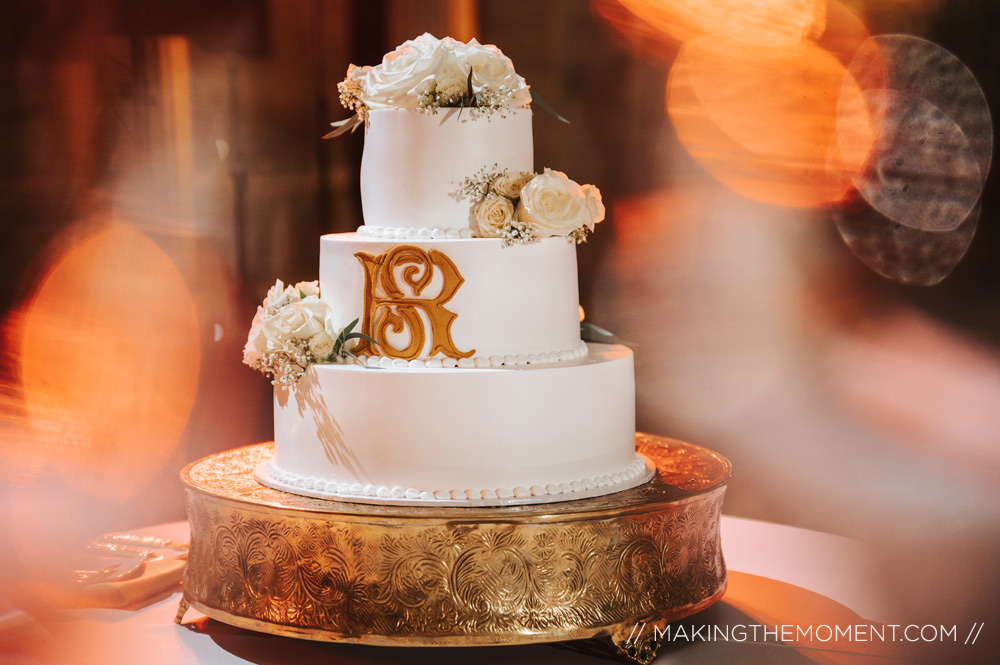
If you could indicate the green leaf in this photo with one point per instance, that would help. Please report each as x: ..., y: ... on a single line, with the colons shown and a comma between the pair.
x: 596, y: 331
x: 349, y: 327
x: 535, y: 97
x: 338, y: 344
x: 597, y: 335
x: 344, y: 126
x: 361, y: 336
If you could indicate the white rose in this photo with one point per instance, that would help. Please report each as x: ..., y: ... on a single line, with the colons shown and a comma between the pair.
x: 491, y: 214
x: 257, y: 341
x: 321, y: 346
x: 553, y: 205
x: 406, y: 74
x: 358, y: 74
x: 278, y: 296
x: 308, y: 288
x: 451, y: 87
x: 508, y: 185
x: 595, y: 206
x: 297, y: 320
x: 492, y: 69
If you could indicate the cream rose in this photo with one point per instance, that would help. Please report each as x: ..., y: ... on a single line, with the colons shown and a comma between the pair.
x: 508, y: 185
x: 257, y: 341
x: 357, y: 74
x: 492, y: 214
x: 297, y: 320
x: 321, y: 346
x: 278, y: 296
x: 308, y: 288
x: 492, y: 69
x: 406, y: 74
x: 553, y: 205
x: 595, y: 205
x: 451, y: 88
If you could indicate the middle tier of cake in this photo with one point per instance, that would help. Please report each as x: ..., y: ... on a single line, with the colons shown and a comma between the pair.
x: 470, y: 302
x: 494, y: 436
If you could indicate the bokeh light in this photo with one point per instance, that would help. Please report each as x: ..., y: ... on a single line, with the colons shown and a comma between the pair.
x: 936, y: 141
x: 794, y: 103
x: 765, y: 23
x: 769, y: 125
x: 901, y: 253
x: 109, y: 360
x: 923, y: 174
x: 928, y: 166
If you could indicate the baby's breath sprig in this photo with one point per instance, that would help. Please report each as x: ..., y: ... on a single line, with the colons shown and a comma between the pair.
x: 517, y: 233
x: 428, y: 102
x: 350, y: 90
x: 580, y: 235
x: 477, y: 186
x: 286, y: 365
x: 491, y: 101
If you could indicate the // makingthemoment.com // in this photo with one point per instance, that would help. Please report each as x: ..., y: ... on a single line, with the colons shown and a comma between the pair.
x: 819, y: 633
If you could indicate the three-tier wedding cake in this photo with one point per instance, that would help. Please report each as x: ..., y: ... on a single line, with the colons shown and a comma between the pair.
x: 438, y: 359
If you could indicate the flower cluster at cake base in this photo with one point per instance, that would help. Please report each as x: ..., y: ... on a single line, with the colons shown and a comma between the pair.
x: 430, y: 73
x: 523, y: 207
x: 292, y: 330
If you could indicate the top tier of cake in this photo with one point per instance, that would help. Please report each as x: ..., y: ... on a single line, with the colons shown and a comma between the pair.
x: 415, y: 163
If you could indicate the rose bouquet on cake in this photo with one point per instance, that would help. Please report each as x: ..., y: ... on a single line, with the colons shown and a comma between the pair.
x: 523, y: 207
x: 430, y: 73
x: 292, y: 330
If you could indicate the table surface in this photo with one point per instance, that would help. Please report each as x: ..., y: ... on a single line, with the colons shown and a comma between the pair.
x: 778, y: 574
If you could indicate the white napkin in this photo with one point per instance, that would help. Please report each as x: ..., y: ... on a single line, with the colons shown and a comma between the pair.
x: 159, y: 577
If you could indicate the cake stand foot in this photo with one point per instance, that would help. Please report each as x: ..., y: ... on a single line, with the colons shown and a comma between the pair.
x: 635, y: 643
x: 181, y: 610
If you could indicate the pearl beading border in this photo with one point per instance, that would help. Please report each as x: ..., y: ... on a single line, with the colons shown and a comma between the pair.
x: 636, y: 473
x: 403, y: 233
x: 482, y: 362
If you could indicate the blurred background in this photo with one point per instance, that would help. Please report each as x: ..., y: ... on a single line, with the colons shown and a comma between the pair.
x: 810, y: 290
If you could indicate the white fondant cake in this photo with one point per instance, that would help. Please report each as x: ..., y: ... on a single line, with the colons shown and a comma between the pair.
x: 439, y: 358
x: 517, y: 304
x: 476, y: 436
x: 414, y: 164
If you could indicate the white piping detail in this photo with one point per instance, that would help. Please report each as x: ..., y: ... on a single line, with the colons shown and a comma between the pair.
x: 403, y: 233
x: 634, y: 474
x: 565, y: 355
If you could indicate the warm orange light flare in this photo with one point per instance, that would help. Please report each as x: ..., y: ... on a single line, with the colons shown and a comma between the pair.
x: 109, y: 357
x: 769, y: 124
x: 766, y: 23
x: 759, y: 92
x: 844, y: 34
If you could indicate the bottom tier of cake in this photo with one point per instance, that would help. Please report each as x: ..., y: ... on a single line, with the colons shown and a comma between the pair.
x: 473, y: 436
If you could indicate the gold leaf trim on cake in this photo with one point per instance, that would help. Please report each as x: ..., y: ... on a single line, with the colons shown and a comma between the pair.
x: 394, y: 283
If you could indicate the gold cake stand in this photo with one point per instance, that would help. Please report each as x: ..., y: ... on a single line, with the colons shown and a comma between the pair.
x: 317, y: 569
